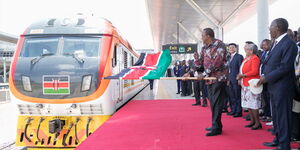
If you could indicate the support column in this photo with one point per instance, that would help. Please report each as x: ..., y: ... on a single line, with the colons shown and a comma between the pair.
x: 219, y: 33
x: 262, y: 8
x: 199, y: 47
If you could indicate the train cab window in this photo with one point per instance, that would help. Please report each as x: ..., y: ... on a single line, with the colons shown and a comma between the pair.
x: 125, y: 60
x: 34, y: 47
x: 84, y: 46
x: 132, y: 60
x: 114, y: 59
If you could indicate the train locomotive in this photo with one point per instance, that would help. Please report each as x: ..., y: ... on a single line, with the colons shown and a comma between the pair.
x: 56, y: 80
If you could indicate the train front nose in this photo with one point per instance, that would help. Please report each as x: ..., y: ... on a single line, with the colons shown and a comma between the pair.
x: 57, y: 77
x: 58, y: 67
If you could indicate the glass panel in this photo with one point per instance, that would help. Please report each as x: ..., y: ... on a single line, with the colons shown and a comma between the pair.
x: 85, y: 47
x: 34, y: 47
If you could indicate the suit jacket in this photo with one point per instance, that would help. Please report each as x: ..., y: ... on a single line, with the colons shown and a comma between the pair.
x: 263, y: 56
x: 278, y: 67
x: 234, y: 67
x: 184, y: 69
x: 176, y: 70
x: 250, y: 69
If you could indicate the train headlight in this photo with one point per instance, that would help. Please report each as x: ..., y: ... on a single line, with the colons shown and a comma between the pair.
x: 26, y: 83
x: 86, y: 83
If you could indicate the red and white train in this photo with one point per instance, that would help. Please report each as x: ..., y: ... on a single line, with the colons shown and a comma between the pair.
x: 56, y: 79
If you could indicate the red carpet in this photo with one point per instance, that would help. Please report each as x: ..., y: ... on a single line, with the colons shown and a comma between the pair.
x: 171, y: 125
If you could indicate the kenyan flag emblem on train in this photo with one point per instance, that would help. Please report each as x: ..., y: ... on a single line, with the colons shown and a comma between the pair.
x: 56, y: 85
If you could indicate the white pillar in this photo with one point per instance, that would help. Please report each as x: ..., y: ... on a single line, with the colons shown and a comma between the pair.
x: 199, y: 47
x: 262, y: 8
x: 219, y: 33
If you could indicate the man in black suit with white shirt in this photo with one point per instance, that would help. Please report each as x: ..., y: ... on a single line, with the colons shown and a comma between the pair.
x: 279, y: 73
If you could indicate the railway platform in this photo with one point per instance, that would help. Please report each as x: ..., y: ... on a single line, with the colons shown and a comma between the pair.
x: 163, y: 120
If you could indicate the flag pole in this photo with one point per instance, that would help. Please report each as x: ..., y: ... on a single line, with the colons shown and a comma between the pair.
x: 174, y: 78
x: 187, y: 78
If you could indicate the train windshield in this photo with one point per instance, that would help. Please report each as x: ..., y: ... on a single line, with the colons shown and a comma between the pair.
x: 87, y: 47
x: 41, y: 46
x: 34, y: 47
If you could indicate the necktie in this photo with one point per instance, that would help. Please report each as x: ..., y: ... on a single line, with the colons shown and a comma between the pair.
x: 267, y: 53
x: 273, y: 46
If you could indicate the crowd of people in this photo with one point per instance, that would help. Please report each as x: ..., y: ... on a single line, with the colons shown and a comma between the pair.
x: 264, y: 83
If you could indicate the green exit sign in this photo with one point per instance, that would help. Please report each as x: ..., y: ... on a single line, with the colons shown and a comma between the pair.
x: 181, y: 48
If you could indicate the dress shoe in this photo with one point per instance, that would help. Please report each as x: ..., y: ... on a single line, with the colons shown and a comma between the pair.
x: 249, y: 125
x: 196, y: 104
x: 213, y: 133
x: 204, y: 105
x: 208, y: 129
x: 237, y: 115
x: 178, y: 93
x: 293, y: 139
x: 269, y: 123
x: 224, y: 110
x: 266, y: 119
x: 247, y: 117
x: 258, y: 127
x: 270, y: 144
x: 279, y: 148
x: 230, y: 113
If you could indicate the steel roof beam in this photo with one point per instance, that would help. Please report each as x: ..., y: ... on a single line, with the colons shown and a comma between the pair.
x: 188, y: 32
x: 8, y: 38
x: 234, y: 13
x: 196, y: 7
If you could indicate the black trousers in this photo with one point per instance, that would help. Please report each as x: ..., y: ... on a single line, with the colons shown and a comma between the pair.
x: 178, y: 86
x: 296, y: 125
x: 235, y: 97
x: 281, y: 116
x: 227, y: 98
x: 266, y: 98
x: 151, y: 83
x: 217, y: 95
x: 186, y: 87
x: 190, y: 87
x: 199, y: 91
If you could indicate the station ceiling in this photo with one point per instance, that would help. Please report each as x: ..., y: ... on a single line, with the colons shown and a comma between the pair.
x: 191, y: 16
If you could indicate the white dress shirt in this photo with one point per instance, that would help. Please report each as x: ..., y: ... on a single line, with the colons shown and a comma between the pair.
x: 277, y: 40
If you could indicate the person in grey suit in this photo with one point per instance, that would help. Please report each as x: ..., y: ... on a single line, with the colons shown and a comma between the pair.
x: 279, y: 73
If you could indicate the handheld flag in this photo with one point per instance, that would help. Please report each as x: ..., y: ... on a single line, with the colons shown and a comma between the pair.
x: 148, y: 66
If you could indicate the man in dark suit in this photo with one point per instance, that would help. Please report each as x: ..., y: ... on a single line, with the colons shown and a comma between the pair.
x: 279, y: 73
x: 176, y: 69
x: 199, y: 85
x: 184, y: 83
x: 234, y: 69
x: 265, y: 46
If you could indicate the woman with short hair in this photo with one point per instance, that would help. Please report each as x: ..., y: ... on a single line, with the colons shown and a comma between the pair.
x: 250, y: 70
